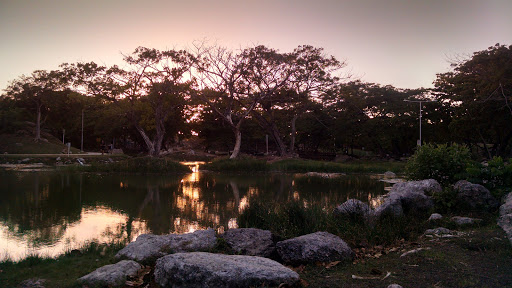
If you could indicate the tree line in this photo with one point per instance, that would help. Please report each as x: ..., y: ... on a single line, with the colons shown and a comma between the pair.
x: 303, y: 101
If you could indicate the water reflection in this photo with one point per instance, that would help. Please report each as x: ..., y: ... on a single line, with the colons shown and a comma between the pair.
x: 48, y: 213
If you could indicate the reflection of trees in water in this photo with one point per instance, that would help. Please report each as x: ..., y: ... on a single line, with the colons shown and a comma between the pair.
x: 38, y: 206
x: 42, y: 205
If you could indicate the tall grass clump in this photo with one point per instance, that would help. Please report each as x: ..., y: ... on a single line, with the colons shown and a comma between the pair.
x: 294, y: 219
x: 136, y: 165
x: 444, y: 163
x: 236, y: 165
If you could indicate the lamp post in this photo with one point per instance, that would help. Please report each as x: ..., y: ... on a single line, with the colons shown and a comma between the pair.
x: 82, y: 140
x: 420, y: 102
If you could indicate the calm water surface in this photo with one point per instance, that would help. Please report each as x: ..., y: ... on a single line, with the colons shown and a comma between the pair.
x: 47, y: 213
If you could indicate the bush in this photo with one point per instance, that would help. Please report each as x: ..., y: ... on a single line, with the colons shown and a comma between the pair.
x: 496, y: 175
x: 444, y: 163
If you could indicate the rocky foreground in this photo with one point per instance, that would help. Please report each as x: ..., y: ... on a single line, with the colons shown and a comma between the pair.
x: 185, y: 260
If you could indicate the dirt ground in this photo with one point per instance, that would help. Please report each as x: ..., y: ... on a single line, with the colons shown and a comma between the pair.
x: 481, y: 257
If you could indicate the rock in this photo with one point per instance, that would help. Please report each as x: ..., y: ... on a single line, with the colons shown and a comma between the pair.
x: 505, y: 222
x: 435, y: 217
x: 389, y: 174
x: 250, y: 241
x: 58, y: 159
x: 408, y: 196
x: 315, y: 247
x: 462, y: 221
x: 323, y: 175
x: 353, y: 208
x: 438, y: 231
x: 427, y: 187
x: 32, y: 283
x: 391, y: 206
x: 474, y: 196
x: 394, y: 286
x: 506, y: 208
x: 25, y: 160
x: 148, y: 247
x: 505, y: 219
x: 200, y: 269
x: 114, y: 275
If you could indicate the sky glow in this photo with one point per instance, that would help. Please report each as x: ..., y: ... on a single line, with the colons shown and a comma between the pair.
x: 402, y: 43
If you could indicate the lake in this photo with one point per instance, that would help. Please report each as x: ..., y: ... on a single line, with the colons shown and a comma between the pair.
x: 47, y: 213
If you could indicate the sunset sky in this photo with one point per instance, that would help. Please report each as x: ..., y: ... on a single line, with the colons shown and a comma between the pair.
x: 402, y: 43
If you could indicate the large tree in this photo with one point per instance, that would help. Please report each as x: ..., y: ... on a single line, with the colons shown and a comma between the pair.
x: 35, y: 93
x: 155, y: 84
x: 479, y: 93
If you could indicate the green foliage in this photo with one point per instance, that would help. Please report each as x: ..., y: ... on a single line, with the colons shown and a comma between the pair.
x: 496, y: 175
x: 446, y: 200
x: 443, y: 163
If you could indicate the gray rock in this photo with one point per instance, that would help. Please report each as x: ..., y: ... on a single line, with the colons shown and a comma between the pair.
x: 474, y: 196
x: 462, y: 221
x: 394, y: 286
x: 435, y: 217
x: 114, y: 275
x: 427, y: 187
x: 200, y: 269
x: 250, y: 241
x: 505, y: 219
x: 506, y: 208
x: 148, y: 247
x: 32, y: 283
x: 353, y: 208
x: 391, y: 206
x: 408, y: 196
x: 58, y: 159
x: 315, y: 247
x: 389, y: 174
x: 25, y: 160
x: 505, y: 222
x: 438, y: 231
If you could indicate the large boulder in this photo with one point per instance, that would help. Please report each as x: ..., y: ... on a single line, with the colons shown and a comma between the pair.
x: 312, y: 248
x: 148, y: 247
x: 427, y: 186
x: 505, y: 219
x: 114, y: 275
x: 405, y: 197
x: 250, y: 241
x: 353, y: 208
x: 474, y: 196
x: 200, y: 269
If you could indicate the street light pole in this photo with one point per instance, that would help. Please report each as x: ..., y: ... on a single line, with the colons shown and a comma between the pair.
x: 420, y: 102
x: 82, y: 141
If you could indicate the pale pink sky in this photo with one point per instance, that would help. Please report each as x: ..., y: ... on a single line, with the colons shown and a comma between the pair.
x: 397, y: 42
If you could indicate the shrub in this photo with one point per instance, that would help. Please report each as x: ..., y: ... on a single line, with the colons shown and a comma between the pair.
x: 496, y: 175
x: 444, y: 163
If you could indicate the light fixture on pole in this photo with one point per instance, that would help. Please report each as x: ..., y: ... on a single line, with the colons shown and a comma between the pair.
x: 419, y: 101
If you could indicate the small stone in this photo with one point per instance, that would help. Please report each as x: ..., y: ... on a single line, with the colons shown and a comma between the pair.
x: 438, y: 231
x: 389, y: 174
x: 394, y: 286
x: 32, y: 283
x: 462, y: 221
x: 435, y: 217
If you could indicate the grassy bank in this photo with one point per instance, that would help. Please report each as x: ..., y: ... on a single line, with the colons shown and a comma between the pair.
x: 133, y: 165
x: 301, y: 165
x: 62, y: 271
x: 22, y: 144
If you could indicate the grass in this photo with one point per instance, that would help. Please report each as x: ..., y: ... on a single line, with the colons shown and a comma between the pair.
x: 300, y: 165
x: 134, y: 165
x: 22, y: 144
x: 62, y: 271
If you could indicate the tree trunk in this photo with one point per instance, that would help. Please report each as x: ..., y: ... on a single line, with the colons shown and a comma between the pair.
x: 238, y: 143
x: 38, y: 124
x: 293, y: 134
x: 149, y: 143
x: 273, y: 131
